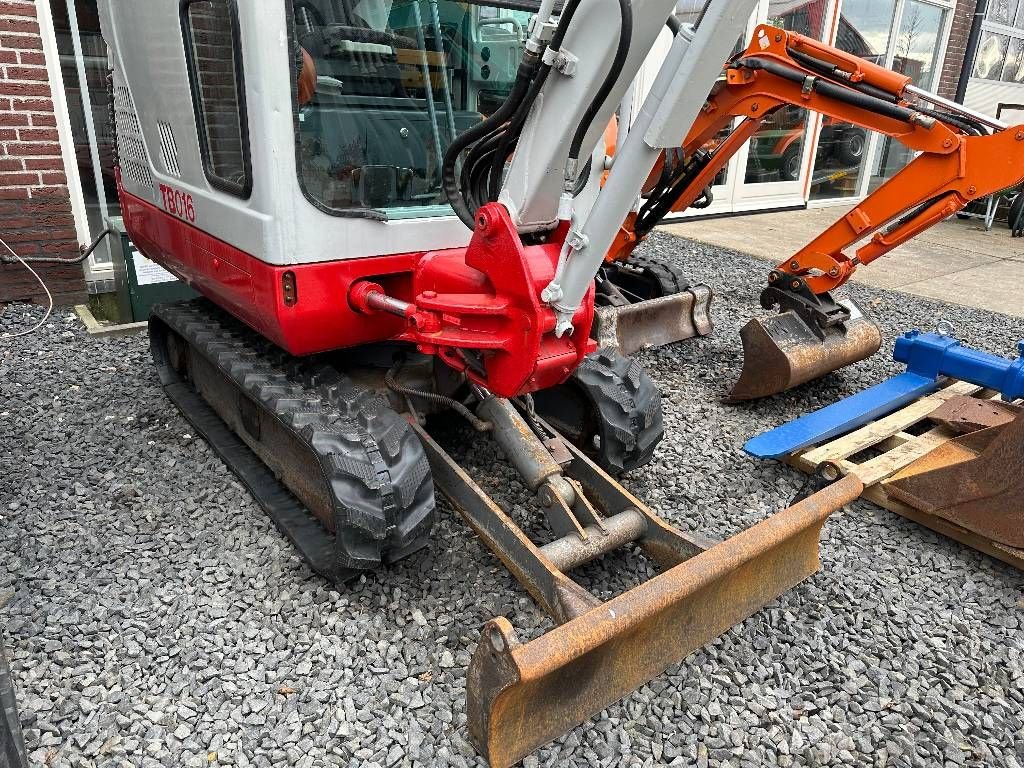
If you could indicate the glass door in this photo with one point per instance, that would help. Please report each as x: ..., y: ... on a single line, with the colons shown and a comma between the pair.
x: 916, y: 49
x: 85, y: 71
x: 774, y: 163
x: 864, y: 29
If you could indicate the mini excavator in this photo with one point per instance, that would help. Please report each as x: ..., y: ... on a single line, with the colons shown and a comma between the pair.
x: 400, y: 212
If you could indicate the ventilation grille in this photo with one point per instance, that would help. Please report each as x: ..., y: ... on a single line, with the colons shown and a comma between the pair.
x: 168, y: 149
x: 131, y: 149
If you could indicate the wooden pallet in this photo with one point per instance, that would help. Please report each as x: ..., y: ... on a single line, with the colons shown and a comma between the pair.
x: 879, y: 450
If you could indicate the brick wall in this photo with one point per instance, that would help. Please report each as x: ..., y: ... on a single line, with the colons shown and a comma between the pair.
x: 963, y: 17
x: 35, y: 209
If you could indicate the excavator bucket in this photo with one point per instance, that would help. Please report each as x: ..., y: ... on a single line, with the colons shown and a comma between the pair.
x: 522, y: 695
x: 782, y: 351
x: 654, y: 322
x: 975, y: 481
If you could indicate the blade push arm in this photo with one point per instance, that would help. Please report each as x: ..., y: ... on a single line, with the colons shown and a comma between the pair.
x: 958, y: 162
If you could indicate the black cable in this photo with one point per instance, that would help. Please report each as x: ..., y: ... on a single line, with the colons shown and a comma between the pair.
x: 703, y: 12
x: 614, y: 71
x: 675, y: 26
x: 53, y: 260
x: 391, y: 382
x: 479, y: 131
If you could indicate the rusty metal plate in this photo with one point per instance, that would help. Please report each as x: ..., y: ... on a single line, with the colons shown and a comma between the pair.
x: 520, y: 696
x: 965, y: 414
x: 780, y: 352
x: 655, y: 322
x: 975, y: 481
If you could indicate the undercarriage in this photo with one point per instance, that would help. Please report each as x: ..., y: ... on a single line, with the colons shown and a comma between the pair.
x: 341, y: 456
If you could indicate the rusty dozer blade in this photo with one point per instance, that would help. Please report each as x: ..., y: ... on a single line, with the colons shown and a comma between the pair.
x: 783, y: 351
x: 975, y: 481
x: 654, y: 322
x: 522, y: 695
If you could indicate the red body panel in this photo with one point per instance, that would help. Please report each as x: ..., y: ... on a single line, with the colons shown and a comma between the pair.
x: 250, y: 289
x: 477, y: 308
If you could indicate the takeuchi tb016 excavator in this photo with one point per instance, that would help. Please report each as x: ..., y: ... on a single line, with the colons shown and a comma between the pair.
x: 400, y: 211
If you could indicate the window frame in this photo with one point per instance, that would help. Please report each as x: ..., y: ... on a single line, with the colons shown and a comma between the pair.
x: 243, y: 191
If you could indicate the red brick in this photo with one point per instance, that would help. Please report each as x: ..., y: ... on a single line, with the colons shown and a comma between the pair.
x: 30, y: 105
x: 27, y: 73
x: 55, y: 178
x: 43, y: 163
x: 19, y: 179
x: 19, y: 25
x: 8, y: 57
x: 38, y: 134
x: 8, y: 134
x: 13, y: 119
x: 31, y: 57
x: 21, y: 42
x: 34, y: 150
x: 45, y: 120
x: 14, y: 193
x: 8, y: 88
x: 12, y: 164
x: 17, y: 9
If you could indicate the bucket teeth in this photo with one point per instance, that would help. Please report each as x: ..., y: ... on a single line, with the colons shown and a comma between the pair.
x: 782, y: 351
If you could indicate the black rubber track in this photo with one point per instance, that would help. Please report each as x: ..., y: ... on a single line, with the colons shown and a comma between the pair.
x: 12, y: 744
x: 648, y: 278
x: 372, y: 466
x: 610, y: 409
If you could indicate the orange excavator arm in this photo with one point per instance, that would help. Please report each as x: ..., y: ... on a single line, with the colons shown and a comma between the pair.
x: 959, y: 160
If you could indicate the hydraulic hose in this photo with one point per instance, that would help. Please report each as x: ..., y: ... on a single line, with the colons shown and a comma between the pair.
x: 833, y: 90
x: 500, y: 132
x: 451, y: 186
x: 621, y: 52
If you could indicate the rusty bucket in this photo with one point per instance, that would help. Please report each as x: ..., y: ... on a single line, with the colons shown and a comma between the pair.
x: 782, y: 351
x: 654, y: 322
x: 975, y: 481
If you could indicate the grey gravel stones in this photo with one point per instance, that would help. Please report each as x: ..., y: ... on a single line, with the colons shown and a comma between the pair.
x: 158, y: 619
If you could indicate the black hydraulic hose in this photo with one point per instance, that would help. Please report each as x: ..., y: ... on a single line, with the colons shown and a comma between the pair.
x: 957, y: 121
x: 618, y: 62
x: 532, y: 72
x: 830, y: 70
x: 391, y: 382
x: 479, y: 131
x: 824, y: 68
x: 832, y: 90
x: 515, y: 127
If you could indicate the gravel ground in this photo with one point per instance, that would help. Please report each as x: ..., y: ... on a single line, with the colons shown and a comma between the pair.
x: 155, y: 617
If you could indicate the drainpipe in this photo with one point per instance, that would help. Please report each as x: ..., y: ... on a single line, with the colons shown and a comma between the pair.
x: 973, y: 39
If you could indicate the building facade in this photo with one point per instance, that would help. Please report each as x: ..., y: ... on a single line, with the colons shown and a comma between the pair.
x: 57, y: 186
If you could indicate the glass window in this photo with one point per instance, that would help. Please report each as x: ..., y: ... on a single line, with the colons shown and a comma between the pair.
x: 215, y: 68
x: 1001, y: 11
x: 1013, y: 65
x: 387, y: 87
x: 988, y: 64
x: 864, y: 30
x: 916, y: 48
